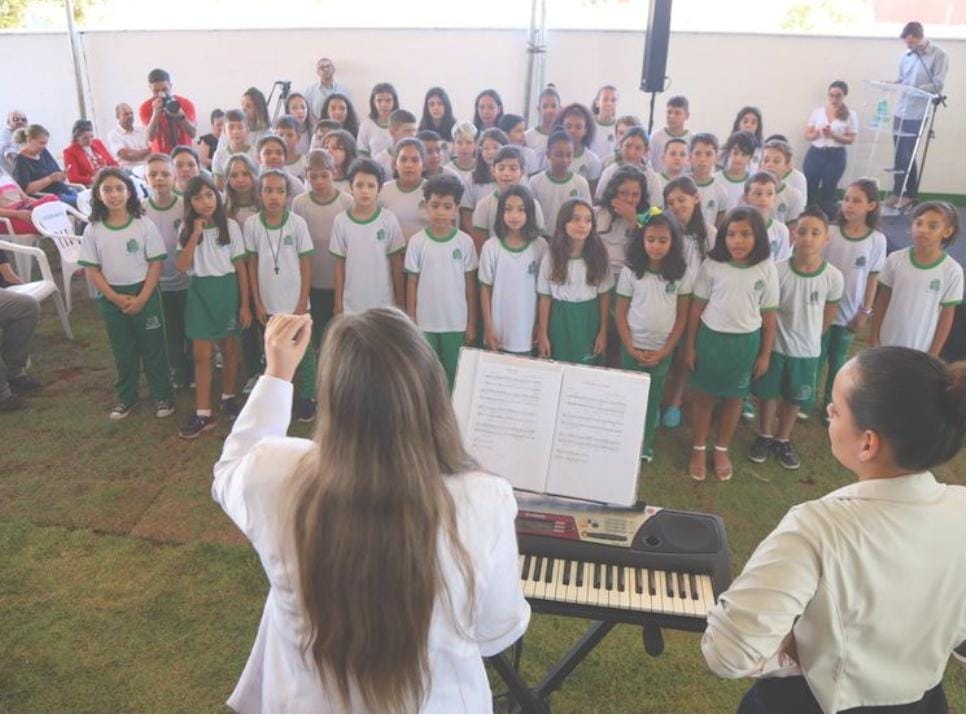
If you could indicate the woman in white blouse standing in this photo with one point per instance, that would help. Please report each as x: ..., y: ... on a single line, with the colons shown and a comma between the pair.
x: 830, y: 129
x: 391, y: 558
x: 856, y: 600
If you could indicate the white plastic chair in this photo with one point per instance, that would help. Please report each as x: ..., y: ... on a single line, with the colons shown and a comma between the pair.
x: 84, y: 202
x: 53, y: 220
x: 23, y: 261
x: 39, y: 289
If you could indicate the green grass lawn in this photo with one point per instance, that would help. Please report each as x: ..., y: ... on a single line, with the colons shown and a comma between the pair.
x: 123, y: 587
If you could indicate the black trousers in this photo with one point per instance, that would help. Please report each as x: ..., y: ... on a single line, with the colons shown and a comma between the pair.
x: 792, y: 695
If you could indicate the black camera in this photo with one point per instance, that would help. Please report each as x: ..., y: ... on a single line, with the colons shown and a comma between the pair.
x: 171, y: 106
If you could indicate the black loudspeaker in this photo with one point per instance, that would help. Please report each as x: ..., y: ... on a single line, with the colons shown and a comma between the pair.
x: 656, y: 45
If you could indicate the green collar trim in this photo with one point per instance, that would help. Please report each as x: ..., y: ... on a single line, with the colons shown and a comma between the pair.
x: 169, y: 206
x: 807, y: 274
x: 273, y: 226
x: 442, y: 240
x: 107, y: 225
x: 373, y: 218
x: 917, y: 264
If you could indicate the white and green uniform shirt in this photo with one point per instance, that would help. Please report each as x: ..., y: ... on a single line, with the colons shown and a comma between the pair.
x: 734, y: 188
x: 536, y: 140
x: 441, y: 266
x: 552, y: 193
x: 604, y: 141
x: 790, y: 203
x: 279, y: 248
x: 242, y: 214
x: 371, y: 139
x: 122, y: 254
x: 319, y: 217
x: 218, y: 165
x: 512, y: 275
x: 464, y: 174
x: 779, y: 236
x: 712, y: 200
x: 530, y: 161
x: 408, y: 206
x: 585, y: 163
x: 211, y: 258
x: 695, y: 253
x: 296, y: 168
x: 367, y: 246
x: 656, y: 145
x: 918, y: 294
x: 656, y: 190
x: 803, y: 297
x: 797, y: 180
x: 488, y: 208
x: 576, y: 289
x: 654, y: 305
x: 167, y: 220
x: 386, y: 160
x: 613, y: 233
x: 736, y: 294
x: 857, y: 258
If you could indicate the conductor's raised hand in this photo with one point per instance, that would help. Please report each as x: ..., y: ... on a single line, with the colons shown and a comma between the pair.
x: 286, y: 339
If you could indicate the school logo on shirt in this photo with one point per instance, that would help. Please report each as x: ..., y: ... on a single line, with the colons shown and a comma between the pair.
x: 288, y: 240
x: 758, y: 286
x: 671, y: 287
x: 533, y: 268
x: 815, y: 297
x: 573, y: 192
x: 176, y: 224
x: 381, y: 235
x: 132, y: 246
x: 781, y: 210
x: 861, y: 261
x: 935, y: 285
x: 153, y: 323
x: 456, y: 254
x: 711, y: 204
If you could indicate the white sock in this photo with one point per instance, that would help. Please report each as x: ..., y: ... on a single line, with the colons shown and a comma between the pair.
x: 203, y: 413
x: 225, y: 396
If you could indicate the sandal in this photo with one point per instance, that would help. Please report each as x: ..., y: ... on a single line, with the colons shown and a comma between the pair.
x: 698, y: 474
x: 725, y: 473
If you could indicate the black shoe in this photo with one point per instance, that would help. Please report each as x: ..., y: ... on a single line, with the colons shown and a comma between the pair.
x: 12, y: 403
x: 24, y: 384
x: 230, y: 407
x: 784, y: 450
x: 760, y: 449
x: 305, y: 410
x: 195, y: 425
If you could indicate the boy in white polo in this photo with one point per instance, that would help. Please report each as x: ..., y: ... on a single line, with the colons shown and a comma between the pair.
x: 557, y: 184
x: 441, y: 263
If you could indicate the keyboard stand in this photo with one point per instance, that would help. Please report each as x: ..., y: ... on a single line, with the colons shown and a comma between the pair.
x: 536, y: 699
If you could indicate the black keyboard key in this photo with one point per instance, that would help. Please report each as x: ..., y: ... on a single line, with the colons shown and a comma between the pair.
x: 549, y: 570
x: 680, y: 578
x: 525, y: 566
x: 538, y: 569
x: 639, y: 580
x: 579, y: 574
x: 652, y: 586
x: 597, y: 571
x: 565, y: 577
x: 693, y: 581
x: 608, y: 580
x: 669, y: 588
x: 620, y: 579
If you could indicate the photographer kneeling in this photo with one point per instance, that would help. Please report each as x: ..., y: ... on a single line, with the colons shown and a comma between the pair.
x: 169, y: 118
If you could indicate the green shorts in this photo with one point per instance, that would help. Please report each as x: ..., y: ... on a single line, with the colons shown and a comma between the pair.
x: 724, y: 362
x: 572, y: 331
x: 792, y: 379
x: 212, y: 307
x: 447, y: 346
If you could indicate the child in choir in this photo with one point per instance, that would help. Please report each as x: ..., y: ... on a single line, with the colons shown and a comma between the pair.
x: 441, y: 263
x: 738, y: 151
x: 368, y: 245
x: 165, y: 209
x: 438, y: 116
x: 236, y: 133
x: 463, y: 136
x: 288, y: 129
x: 507, y: 273
x: 297, y: 107
x: 604, y: 109
x: 791, y: 176
x: 621, y: 127
x: 675, y: 160
x: 633, y: 151
x: 272, y: 152
x: 212, y: 252
x: 557, y: 184
x: 749, y: 120
x: 241, y: 189
x: 676, y: 115
x: 433, y: 164
x: 404, y: 194
x: 514, y: 127
x: 548, y: 108
x: 488, y: 109
x: 255, y: 108
x: 402, y: 125
x: 760, y: 192
x: 732, y: 323
x: 704, y: 149
x: 319, y: 207
x: 776, y: 160
x: 856, y: 248
x: 653, y: 294
x: 123, y: 255
x: 574, y: 286
x: 810, y: 289
x: 322, y: 128
x: 507, y: 170
x: 920, y: 287
x: 698, y: 239
x: 578, y: 122
x: 280, y: 268
x: 624, y: 198
x: 374, y: 136
x: 483, y: 183
x: 342, y: 148
x: 337, y: 108
x: 186, y: 165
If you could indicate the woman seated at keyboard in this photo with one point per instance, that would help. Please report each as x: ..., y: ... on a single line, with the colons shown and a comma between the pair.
x: 856, y: 600
x: 392, y: 559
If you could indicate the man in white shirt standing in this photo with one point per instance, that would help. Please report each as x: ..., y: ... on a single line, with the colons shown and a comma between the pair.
x: 127, y: 143
x: 924, y: 67
x: 316, y: 93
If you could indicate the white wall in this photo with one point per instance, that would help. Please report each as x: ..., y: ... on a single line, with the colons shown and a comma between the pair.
x: 785, y: 75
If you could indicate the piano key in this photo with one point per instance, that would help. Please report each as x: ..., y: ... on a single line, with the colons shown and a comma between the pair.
x: 681, y: 584
x: 661, y: 602
x: 538, y: 568
x: 613, y: 596
x: 562, y: 579
x: 639, y: 587
x: 684, y: 600
x: 604, y: 592
x: 695, y: 586
x: 644, y: 598
x: 551, y: 581
x: 669, y: 585
x: 620, y: 579
x: 565, y: 572
x: 652, y: 582
x: 592, y: 580
x: 549, y: 570
x: 578, y: 574
x: 699, y: 604
x: 525, y: 561
x: 596, y: 570
x: 628, y: 596
x: 709, y: 601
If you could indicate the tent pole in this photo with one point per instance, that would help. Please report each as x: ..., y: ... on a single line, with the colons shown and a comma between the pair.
x: 69, y: 7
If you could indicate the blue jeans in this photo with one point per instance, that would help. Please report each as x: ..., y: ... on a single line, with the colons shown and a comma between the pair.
x: 905, y: 173
x: 823, y: 167
x: 792, y: 695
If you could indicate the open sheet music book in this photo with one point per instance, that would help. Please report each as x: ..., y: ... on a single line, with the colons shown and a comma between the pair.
x: 553, y: 428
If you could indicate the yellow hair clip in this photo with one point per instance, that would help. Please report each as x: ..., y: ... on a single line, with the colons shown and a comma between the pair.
x: 644, y: 218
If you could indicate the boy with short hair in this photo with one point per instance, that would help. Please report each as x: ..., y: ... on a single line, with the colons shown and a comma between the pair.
x: 738, y: 150
x: 287, y: 127
x: 761, y: 194
x: 507, y: 169
x: 776, y: 159
x: 676, y: 115
x: 712, y: 194
x: 434, y: 155
x: 675, y: 160
x: 557, y: 184
x: 236, y: 132
x: 441, y: 263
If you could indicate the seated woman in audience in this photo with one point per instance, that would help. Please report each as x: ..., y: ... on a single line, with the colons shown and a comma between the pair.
x: 16, y: 206
x: 856, y: 600
x: 85, y: 155
x: 382, y: 501
x: 35, y: 169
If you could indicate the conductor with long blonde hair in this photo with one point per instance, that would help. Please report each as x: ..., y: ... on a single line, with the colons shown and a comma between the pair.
x: 391, y: 558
